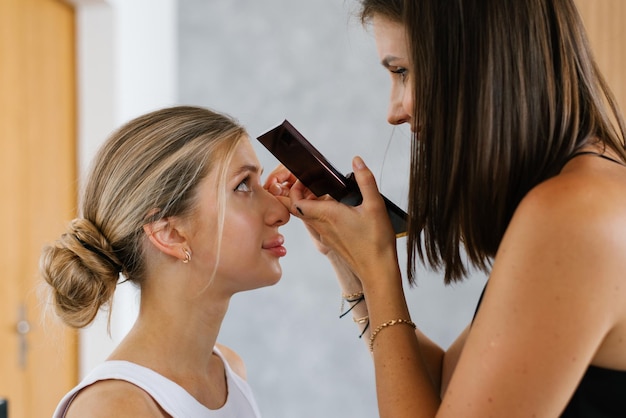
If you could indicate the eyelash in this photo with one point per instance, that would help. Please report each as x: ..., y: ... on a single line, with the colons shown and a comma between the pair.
x: 401, y: 71
x: 244, y: 182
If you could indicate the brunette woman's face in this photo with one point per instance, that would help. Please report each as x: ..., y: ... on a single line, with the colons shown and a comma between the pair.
x: 391, y: 44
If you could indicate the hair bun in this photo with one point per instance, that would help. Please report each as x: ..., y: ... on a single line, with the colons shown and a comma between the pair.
x: 82, y: 270
x: 91, y: 239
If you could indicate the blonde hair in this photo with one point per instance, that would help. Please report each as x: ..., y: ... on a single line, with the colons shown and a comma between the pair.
x: 147, y: 170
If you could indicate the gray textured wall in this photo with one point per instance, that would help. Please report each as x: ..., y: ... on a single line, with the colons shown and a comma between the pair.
x: 313, y: 64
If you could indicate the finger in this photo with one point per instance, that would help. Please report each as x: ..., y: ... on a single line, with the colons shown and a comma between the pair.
x: 281, y: 176
x: 315, y: 210
x: 285, y: 201
x: 299, y: 191
x: 278, y: 189
x: 366, y: 181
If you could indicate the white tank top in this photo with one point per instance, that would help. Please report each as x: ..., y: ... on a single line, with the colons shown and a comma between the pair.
x: 174, y: 400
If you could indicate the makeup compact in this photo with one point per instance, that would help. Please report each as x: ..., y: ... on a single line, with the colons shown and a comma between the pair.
x: 309, y: 166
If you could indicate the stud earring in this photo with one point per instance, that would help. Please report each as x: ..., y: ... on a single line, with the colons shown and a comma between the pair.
x: 187, y: 256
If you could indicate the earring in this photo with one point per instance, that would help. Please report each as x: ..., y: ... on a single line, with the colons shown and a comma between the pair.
x: 187, y: 256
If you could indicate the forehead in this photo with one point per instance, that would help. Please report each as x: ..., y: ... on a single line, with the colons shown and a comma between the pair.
x: 230, y: 163
x: 390, y: 37
x: 243, y: 159
x: 244, y: 153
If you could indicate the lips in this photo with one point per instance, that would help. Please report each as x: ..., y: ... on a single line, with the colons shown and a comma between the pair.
x: 275, y: 246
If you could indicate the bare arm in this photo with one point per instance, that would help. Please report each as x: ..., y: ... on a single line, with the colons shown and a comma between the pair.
x: 403, y: 375
x: 451, y: 359
x: 351, y: 285
x: 555, y: 294
x: 548, y: 308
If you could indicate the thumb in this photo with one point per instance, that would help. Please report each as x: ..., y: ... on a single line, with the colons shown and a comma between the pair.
x: 366, y: 181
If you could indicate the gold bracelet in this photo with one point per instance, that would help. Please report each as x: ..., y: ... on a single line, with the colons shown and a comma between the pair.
x: 361, y: 320
x: 357, y: 297
x: 352, y: 296
x: 388, y: 324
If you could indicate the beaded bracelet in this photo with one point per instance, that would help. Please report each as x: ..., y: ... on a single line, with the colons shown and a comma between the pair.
x: 388, y: 324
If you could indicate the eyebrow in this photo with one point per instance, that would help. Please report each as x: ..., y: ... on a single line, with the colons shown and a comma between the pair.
x: 388, y: 60
x: 248, y: 168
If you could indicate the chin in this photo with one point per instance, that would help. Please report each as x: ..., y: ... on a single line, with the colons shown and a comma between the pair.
x: 269, y: 279
x: 272, y: 281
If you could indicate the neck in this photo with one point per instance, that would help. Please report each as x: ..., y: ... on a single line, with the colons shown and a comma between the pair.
x: 174, y: 333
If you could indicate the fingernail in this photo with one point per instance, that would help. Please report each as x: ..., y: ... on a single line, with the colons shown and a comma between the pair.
x: 275, y: 189
x: 358, y: 163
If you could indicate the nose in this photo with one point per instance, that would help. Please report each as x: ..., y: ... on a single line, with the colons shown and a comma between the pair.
x: 397, y: 114
x: 276, y: 213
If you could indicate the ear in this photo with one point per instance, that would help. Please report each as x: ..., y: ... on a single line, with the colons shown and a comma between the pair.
x: 167, y: 237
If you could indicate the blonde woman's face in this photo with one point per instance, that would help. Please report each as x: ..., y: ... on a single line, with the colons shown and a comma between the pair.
x: 251, y: 245
x: 392, y: 48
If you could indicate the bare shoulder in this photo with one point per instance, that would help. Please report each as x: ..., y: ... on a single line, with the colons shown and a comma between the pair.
x: 581, y: 203
x: 583, y: 191
x: 564, y: 249
x: 234, y: 360
x: 554, y: 302
x: 573, y: 227
x: 118, y: 398
x: 583, y: 206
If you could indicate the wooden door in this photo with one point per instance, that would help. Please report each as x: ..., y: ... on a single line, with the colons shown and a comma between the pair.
x: 38, y: 195
x: 604, y: 20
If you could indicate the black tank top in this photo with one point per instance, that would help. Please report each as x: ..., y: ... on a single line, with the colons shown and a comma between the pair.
x: 606, y: 157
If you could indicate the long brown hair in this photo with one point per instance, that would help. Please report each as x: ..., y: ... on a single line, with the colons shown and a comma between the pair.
x: 389, y: 9
x: 505, y: 91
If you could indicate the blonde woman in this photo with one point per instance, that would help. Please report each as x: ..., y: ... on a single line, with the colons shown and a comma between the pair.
x: 175, y: 205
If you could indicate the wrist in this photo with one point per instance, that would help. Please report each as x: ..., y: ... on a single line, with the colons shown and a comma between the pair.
x: 348, y: 281
x: 382, y: 281
x: 385, y: 298
x: 357, y: 306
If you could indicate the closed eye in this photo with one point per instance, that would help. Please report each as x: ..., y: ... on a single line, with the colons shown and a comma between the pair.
x: 389, y: 61
x: 401, y: 71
